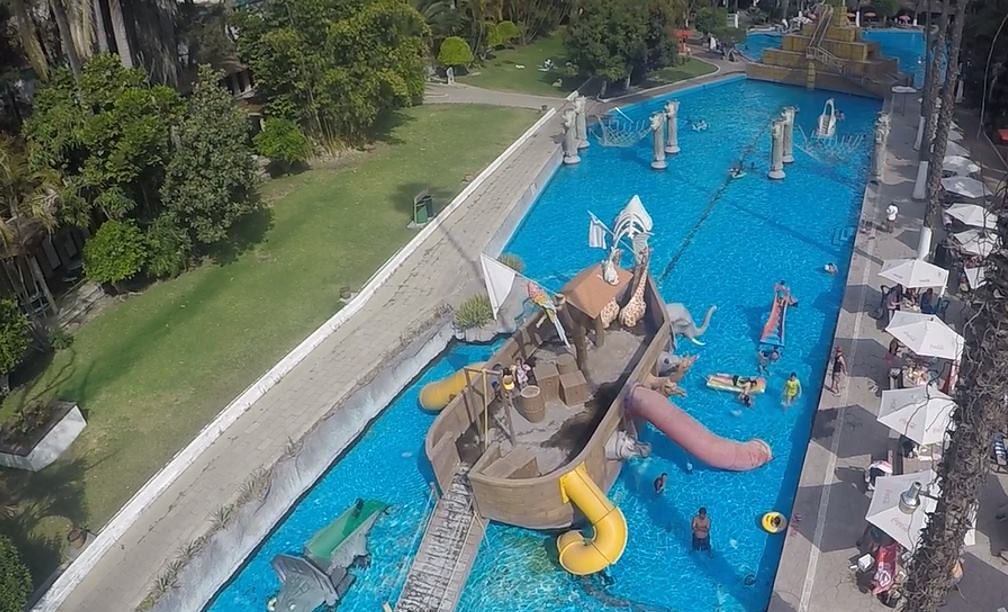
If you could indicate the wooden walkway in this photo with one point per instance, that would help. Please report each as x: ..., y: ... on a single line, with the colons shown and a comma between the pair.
x: 450, y: 543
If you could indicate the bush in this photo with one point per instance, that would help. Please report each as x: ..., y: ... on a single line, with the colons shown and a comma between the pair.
x: 168, y: 248
x: 731, y: 36
x: 710, y: 20
x: 455, y: 51
x: 15, y: 336
x: 502, y: 34
x: 15, y: 581
x: 512, y: 261
x: 115, y: 253
x: 60, y: 339
x: 474, y: 312
x: 283, y: 142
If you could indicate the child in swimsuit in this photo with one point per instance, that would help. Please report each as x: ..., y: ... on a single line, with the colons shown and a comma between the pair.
x: 792, y: 389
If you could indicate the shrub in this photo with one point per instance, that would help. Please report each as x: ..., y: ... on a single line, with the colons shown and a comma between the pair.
x: 168, y: 248
x: 115, y: 253
x: 15, y: 336
x: 512, y: 261
x: 60, y: 339
x: 710, y: 20
x: 283, y: 142
x: 474, y: 312
x: 731, y: 36
x: 455, y: 51
x: 15, y: 581
x: 502, y: 34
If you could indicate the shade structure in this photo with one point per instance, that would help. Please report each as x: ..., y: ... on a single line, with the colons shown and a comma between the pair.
x: 914, y: 273
x: 962, y: 166
x: 966, y: 187
x: 954, y: 148
x: 976, y: 277
x: 977, y: 242
x: 973, y: 214
x: 926, y: 335
x: 901, y: 523
x: 920, y: 413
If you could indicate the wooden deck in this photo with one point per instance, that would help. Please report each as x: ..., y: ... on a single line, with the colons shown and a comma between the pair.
x: 447, y: 551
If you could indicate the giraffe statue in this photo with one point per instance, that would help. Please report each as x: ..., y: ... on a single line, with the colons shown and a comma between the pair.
x: 634, y: 310
x: 611, y: 310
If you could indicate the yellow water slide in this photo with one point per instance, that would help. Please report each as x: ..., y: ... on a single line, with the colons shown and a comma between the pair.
x: 436, y: 395
x: 580, y: 555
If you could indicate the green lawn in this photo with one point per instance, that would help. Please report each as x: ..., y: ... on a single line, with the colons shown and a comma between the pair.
x: 673, y: 74
x: 155, y: 368
x: 501, y: 72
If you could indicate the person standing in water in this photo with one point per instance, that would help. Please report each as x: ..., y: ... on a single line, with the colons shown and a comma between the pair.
x: 701, y: 526
x: 792, y: 389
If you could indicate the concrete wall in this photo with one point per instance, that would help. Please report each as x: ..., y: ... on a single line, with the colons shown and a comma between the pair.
x: 295, y: 473
x: 50, y: 447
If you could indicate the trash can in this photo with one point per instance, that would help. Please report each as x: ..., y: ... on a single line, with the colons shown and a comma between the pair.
x: 423, y: 208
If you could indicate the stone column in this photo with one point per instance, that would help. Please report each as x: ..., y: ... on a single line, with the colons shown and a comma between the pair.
x: 570, y: 148
x: 672, y: 124
x: 879, y: 150
x: 581, y: 122
x: 658, y: 140
x: 788, y: 151
x: 776, y: 150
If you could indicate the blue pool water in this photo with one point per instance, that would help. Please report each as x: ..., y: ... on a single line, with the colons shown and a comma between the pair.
x: 905, y: 45
x: 717, y: 241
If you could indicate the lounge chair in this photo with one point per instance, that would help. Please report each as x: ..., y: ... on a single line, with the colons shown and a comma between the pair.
x: 999, y: 453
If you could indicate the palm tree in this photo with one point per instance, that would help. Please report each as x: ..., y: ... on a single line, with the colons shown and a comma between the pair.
x: 59, y: 12
x: 29, y: 39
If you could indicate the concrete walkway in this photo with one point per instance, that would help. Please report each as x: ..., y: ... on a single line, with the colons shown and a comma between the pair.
x: 443, y: 271
x: 440, y: 93
x: 829, y: 509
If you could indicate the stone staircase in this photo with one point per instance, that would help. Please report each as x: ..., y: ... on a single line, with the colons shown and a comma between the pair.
x: 447, y: 551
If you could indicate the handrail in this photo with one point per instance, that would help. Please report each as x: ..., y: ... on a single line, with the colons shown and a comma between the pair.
x: 475, y: 518
x: 404, y: 572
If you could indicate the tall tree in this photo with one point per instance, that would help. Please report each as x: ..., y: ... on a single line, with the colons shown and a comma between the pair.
x: 120, y: 33
x: 608, y: 38
x: 937, y: 52
x: 210, y: 181
x: 334, y: 66
x: 981, y: 411
x: 66, y: 36
x: 29, y: 39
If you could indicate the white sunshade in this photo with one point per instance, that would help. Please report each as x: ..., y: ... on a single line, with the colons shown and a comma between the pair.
x: 976, y: 277
x: 973, y: 214
x: 954, y: 148
x: 920, y: 413
x: 926, y: 335
x: 885, y: 513
x: 966, y: 187
x: 960, y: 165
x: 913, y: 273
x: 977, y: 242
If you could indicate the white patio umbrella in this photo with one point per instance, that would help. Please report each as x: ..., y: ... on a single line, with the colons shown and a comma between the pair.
x: 919, y: 413
x: 976, y: 277
x: 966, y: 187
x: 914, y: 273
x: 960, y: 165
x: 954, y: 148
x: 977, y: 242
x: 901, y: 510
x: 973, y: 214
x: 926, y: 335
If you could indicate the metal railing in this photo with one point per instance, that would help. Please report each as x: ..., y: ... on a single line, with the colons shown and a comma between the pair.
x: 458, y: 559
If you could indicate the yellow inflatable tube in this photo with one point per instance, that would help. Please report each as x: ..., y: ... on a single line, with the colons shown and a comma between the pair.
x: 580, y: 555
x: 436, y: 395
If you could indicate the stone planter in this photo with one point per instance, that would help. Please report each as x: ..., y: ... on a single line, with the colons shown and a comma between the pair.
x: 48, y: 443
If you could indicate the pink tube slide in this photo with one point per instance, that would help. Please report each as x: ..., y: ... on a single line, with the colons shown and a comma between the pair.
x: 690, y: 433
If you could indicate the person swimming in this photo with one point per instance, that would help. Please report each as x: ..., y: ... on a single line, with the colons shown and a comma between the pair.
x: 792, y: 389
x: 830, y: 268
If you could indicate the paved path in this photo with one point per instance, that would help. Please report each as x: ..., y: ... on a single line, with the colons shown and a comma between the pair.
x: 813, y: 574
x: 439, y: 93
x: 432, y: 278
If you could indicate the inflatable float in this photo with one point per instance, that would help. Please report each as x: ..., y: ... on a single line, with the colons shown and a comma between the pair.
x: 731, y: 382
x: 696, y: 439
x: 580, y: 555
x: 773, y: 522
x: 436, y: 395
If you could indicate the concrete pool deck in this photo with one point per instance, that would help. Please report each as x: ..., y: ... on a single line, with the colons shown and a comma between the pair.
x: 830, y: 504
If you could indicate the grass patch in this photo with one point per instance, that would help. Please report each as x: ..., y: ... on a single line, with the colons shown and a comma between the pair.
x: 692, y: 68
x: 152, y: 370
x: 500, y: 72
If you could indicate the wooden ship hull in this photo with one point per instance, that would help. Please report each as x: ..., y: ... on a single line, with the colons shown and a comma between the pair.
x: 515, y: 451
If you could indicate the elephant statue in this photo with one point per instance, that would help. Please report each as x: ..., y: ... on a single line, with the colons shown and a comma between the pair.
x: 682, y: 322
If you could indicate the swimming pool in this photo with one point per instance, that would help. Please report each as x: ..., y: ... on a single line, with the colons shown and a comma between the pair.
x: 906, y: 45
x: 717, y: 241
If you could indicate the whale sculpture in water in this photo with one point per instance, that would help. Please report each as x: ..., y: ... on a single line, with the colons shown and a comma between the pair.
x: 682, y: 322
